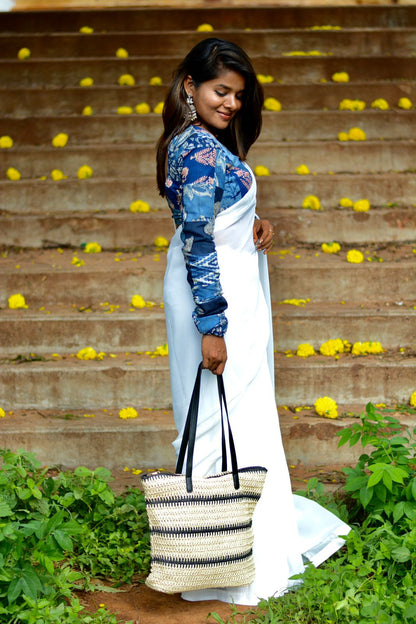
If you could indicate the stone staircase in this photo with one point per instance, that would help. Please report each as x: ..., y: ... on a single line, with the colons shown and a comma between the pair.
x: 67, y: 409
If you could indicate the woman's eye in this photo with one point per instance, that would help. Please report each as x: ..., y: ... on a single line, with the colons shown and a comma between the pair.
x: 220, y: 94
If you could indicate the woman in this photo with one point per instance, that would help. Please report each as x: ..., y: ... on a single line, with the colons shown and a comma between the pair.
x: 217, y: 305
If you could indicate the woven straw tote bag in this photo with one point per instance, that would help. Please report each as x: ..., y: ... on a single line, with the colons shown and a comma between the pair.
x: 201, y: 527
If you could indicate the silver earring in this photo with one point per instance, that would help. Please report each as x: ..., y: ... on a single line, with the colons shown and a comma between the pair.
x: 192, y: 114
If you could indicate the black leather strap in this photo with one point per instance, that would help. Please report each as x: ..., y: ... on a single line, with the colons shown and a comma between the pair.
x: 189, y: 433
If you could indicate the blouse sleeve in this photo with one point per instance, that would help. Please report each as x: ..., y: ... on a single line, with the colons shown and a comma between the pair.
x: 203, y: 177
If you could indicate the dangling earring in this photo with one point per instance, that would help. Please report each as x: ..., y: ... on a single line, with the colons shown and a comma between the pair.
x: 191, y: 114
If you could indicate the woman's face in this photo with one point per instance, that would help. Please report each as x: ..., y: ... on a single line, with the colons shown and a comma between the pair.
x: 218, y: 100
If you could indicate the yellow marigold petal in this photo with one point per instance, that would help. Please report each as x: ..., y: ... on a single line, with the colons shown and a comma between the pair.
x: 343, y: 136
x: 302, y: 170
x: 305, y: 350
x: 60, y: 140
x: 142, y: 109
x: 327, y: 407
x: 205, y: 28
x: 161, y: 241
x: 265, y: 78
x: 84, y: 172
x: 23, y: 54
x: 139, y: 206
x: 413, y: 399
x: 17, y: 302
x: 88, y: 353
x: 331, y: 248
x: 362, y: 205
x: 405, y: 103
x: 128, y: 412
x: 312, y: 202
x: 92, y: 248
x: 272, y: 104
x: 345, y: 202
x: 260, y: 170
x: 2, y: 413
x: 124, y: 110
x: 57, y: 174
x: 380, y: 103
x: 354, y: 256
x: 356, y: 134
x: 137, y: 301
x: 126, y: 80
x: 158, y: 109
x: 87, y: 110
x: 86, y: 30
x: 13, y: 174
x: 86, y: 82
x: 6, y: 142
x: 340, y: 77
x: 122, y: 53
x: 155, y: 81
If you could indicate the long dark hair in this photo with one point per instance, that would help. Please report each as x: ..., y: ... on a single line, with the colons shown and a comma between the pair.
x: 205, y: 62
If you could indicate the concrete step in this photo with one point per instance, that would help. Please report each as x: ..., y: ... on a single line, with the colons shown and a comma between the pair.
x: 154, y: 19
x: 65, y: 329
x: 71, y: 384
x: 369, y: 156
x: 68, y: 72
x: 47, y: 277
x: 276, y: 41
x: 127, y: 230
x: 282, y: 126
x: 71, y: 440
x: 33, y: 101
x: 110, y: 194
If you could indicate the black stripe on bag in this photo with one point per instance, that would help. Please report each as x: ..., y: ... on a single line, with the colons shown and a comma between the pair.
x: 234, y: 528
x: 185, y: 563
x: 188, y: 500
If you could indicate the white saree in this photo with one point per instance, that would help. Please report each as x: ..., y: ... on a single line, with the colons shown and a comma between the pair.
x: 287, y: 528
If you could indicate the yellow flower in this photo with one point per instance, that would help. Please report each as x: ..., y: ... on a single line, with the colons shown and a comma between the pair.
x: 353, y: 105
x: 260, y: 170
x: 302, y: 170
x: 413, y: 399
x: 137, y: 301
x: 128, y: 412
x: 325, y: 406
x: 139, y: 206
x: 161, y: 350
x: 124, y: 110
x: 23, y: 54
x: 88, y: 353
x: 17, y: 301
x: 380, y: 103
x: 405, y: 103
x: 13, y: 174
x: 142, y: 109
x: 86, y: 82
x: 356, y: 134
x: 92, y: 248
x: 364, y: 348
x: 160, y: 241
x: 77, y: 262
x: 330, y: 248
x: 126, y: 80
x: 340, y: 77
x: 265, y: 78
x: 205, y: 28
x: 305, y: 350
x: 122, y: 53
x: 155, y: 81
x: 345, y: 202
x: 6, y: 142
x: 362, y: 205
x: 158, y: 109
x: 87, y: 110
x: 57, y: 174
x: 311, y: 202
x: 355, y: 256
x: 272, y: 104
x: 136, y: 471
x: 84, y: 172
x: 60, y: 140
x: 86, y: 30
x: 296, y: 302
x: 343, y: 136
x: 2, y: 413
x: 332, y: 347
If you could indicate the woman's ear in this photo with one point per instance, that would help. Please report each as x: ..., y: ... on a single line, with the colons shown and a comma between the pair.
x: 188, y: 84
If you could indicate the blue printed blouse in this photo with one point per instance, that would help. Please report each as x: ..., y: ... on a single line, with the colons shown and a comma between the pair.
x: 203, y: 179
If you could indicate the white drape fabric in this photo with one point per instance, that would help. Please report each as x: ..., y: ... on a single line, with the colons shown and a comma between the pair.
x: 287, y: 528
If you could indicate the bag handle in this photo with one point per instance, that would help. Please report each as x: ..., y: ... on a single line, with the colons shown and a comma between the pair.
x: 189, y: 433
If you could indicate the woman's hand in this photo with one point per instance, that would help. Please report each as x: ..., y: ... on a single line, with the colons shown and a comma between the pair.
x: 214, y: 353
x: 263, y: 235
